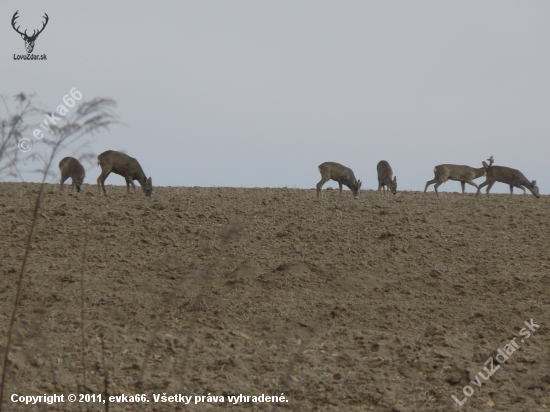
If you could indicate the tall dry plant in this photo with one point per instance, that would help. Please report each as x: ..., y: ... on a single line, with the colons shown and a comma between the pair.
x: 82, y: 325
x: 86, y: 119
x: 14, y: 125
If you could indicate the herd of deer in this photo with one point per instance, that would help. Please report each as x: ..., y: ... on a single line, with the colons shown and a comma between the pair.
x: 128, y: 167
x: 463, y: 174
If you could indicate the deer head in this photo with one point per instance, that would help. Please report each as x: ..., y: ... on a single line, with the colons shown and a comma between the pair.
x: 29, y: 40
x: 487, y: 166
x: 355, y: 186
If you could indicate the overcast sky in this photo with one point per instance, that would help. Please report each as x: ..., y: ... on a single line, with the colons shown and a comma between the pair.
x: 259, y: 93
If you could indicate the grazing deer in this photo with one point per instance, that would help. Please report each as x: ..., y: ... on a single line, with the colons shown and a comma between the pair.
x: 126, y: 166
x: 462, y: 174
x: 385, y: 175
x: 512, y: 177
x: 341, y: 174
x: 70, y: 167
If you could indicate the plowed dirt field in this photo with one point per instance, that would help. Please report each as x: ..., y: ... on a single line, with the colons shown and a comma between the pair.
x: 382, y: 304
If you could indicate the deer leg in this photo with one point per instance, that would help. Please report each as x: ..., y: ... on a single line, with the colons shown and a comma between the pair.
x: 436, y: 186
x: 73, y: 185
x: 519, y: 186
x: 463, y: 184
x: 101, y: 181
x: 430, y: 182
x: 127, y: 183
x: 340, y: 190
x: 470, y: 183
x: 320, y: 187
x: 130, y: 181
x: 488, y: 187
x: 480, y: 187
x: 63, y: 178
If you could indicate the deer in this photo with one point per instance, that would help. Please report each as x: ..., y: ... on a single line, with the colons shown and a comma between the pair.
x: 512, y: 177
x: 385, y: 175
x: 460, y: 173
x: 126, y: 166
x: 70, y: 167
x: 29, y: 40
x: 341, y: 174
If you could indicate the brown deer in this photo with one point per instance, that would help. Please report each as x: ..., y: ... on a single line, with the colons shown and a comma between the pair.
x: 126, y: 166
x: 70, y: 167
x: 512, y: 177
x: 385, y: 175
x: 341, y: 174
x: 462, y: 174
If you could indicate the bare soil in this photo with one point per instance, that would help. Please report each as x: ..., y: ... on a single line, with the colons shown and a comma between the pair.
x: 382, y: 304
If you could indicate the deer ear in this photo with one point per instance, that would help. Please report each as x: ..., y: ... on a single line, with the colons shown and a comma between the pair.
x: 395, y: 179
x: 534, y: 182
x: 150, y: 181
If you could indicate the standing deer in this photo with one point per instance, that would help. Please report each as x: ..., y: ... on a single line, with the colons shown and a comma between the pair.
x: 126, y: 166
x: 512, y: 177
x: 341, y: 174
x: 462, y: 174
x: 385, y: 175
x: 70, y: 167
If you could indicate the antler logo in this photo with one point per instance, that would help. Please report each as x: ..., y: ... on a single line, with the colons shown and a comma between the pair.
x: 29, y: 40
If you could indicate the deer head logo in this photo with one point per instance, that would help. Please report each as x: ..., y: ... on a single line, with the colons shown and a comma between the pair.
x: 29, y: 40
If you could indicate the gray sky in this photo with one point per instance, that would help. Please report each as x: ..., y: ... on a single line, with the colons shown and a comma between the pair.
x: 258, y: 94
